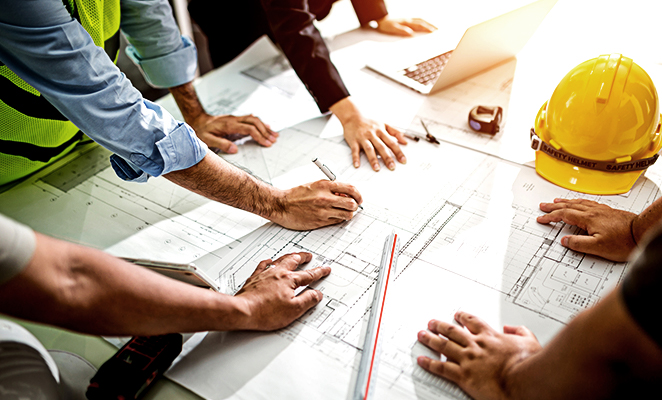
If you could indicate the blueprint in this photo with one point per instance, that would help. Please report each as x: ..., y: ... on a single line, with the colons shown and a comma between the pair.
x: 465, y: 212
x: 469, y: 240
x: 83, y: 201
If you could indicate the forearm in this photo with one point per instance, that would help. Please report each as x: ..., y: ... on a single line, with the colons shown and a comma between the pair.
x: 647, y: 219
x: 89, y: 291
x: 220, y: 181
x: 188, y: 102
x: 600, y: 350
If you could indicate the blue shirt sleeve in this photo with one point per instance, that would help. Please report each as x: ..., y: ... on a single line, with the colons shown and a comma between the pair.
x: 165, y: 58
x: 44, y: 46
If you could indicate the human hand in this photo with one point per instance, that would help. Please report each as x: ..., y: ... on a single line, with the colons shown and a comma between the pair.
x: 479, y: 359
x: 403, y: 26
x: 609, y: 230
x: 219, y: 131
x: 317, y: 204
x: 268, y: 294
x: 372, y: 137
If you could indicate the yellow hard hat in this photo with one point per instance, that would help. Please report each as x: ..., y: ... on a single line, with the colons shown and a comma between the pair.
x: 600, y: 129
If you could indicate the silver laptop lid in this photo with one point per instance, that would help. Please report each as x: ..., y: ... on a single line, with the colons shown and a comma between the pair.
x: 492, y: 42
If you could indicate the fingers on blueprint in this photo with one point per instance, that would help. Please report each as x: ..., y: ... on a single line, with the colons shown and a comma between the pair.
x: 270, y: 292
x: 471, y: 322
x: 258, y: 130
x: 293, y: 260
x: 477, y: 355
x: 450, y: 331
x: 400, y: 137
x: 219, y: 131
x: 375, y: 139
x: 519, y: 330
x: 404, y: 26
x: 441, y: 345
x: 387, y: 139
x: 609, y: 230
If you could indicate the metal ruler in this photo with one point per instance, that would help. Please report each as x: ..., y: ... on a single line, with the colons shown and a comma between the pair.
x: 370, y: 356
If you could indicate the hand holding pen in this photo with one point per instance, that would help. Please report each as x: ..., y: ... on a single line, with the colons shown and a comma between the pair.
x: 331, y: 176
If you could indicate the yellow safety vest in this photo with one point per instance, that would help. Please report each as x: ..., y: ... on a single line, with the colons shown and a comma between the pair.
x: 33, y: 133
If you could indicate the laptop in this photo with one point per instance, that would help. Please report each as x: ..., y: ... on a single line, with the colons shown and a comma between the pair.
x: 482, y: 46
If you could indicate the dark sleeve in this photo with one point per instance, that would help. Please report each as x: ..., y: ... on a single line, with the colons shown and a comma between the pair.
x: 369, y: 10
x: 291, y: 24
x: 642, y: 289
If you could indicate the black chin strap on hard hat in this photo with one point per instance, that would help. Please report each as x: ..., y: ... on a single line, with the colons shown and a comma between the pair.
x: 538, y: 144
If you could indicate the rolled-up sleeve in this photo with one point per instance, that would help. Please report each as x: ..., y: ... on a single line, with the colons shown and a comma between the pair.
x: 170, y: 70
x: 61, y: 61
x: 165, y: 57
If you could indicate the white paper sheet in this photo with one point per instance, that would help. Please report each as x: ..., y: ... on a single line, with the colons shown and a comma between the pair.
x: 469, y: 241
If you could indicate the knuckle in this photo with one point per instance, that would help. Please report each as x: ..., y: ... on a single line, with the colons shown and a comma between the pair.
x: 283, y: 274
x: 310, y: 273
x: 470, y: 355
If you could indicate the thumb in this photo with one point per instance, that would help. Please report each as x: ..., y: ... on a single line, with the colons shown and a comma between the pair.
x: 396, y: 133
x: 518, y: 330
x: 223, y: 145
x: 403, y: 30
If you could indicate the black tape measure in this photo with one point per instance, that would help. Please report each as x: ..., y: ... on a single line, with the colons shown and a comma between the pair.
x: 134, y: 368
x: 485, y: 119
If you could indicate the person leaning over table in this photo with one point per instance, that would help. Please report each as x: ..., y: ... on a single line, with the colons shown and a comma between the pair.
x: 231, y: 26
x: 58, y: 77
x: 86, y: 290
x: 611, y: 350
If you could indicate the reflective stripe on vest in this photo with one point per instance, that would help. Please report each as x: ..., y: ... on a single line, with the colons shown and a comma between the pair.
x: 33, y: 133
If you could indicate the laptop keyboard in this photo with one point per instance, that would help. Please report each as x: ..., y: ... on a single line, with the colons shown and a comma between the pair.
x: 427, y: 72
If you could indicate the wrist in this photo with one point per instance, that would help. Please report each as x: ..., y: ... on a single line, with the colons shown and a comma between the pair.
x: 377, y: 23
x: 278, y: 205
x: 512, y: 384
x: 345, y: 110
x: 233, y: 313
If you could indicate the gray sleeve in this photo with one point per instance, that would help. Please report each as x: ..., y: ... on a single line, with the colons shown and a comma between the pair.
x: 17, y: 245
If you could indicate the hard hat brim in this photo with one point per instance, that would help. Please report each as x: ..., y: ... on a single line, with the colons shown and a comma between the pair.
x: 584, y: 180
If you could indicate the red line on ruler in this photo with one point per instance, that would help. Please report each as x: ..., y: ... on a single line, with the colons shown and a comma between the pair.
x: 379, y: 323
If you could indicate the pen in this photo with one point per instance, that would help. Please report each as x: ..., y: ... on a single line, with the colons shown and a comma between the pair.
x: 325, y: 169
x: 412, y: 137
x: 328, y: 173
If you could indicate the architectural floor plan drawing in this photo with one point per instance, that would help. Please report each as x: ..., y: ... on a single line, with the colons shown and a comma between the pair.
x: 469, y: 240
x: 83, y: 201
